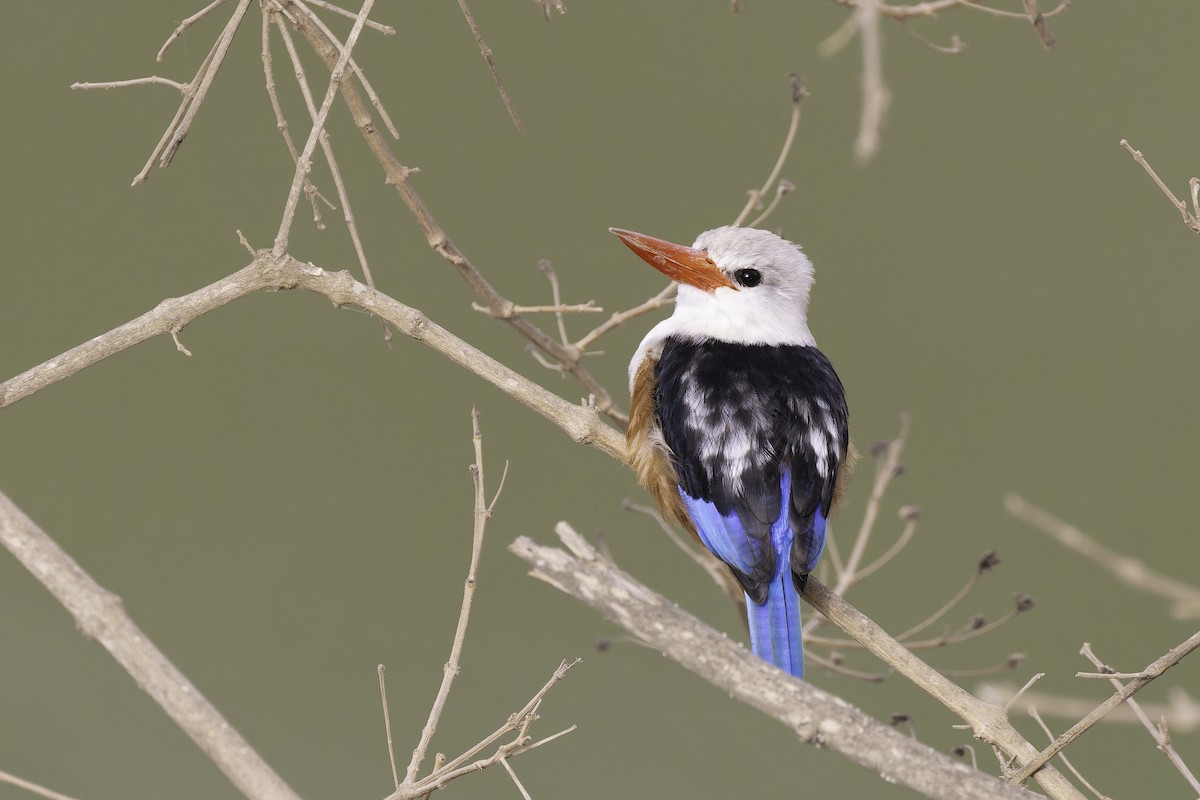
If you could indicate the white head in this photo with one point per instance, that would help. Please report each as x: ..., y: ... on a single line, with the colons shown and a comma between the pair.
x: 768, y: 301
x: 740, y: 285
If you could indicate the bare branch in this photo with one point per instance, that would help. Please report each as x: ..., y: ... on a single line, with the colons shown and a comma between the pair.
x: 372, y: 24
x: 387, y: 723
x: 1190, y: 218
x: 304, y: 162
x: 756, y: 195
x: 30, y: 786
x: 1181, y: 710
x: 814, y: 715
x: 581, y: 422
x: 398, y: 176
x: 100, y: 616
x: 486, y: 52
x: 518, y: 723
x: 451, y: 670
x: 1153, y: 671
x: 1157, y: 732
x: 1130, y: 571
x: 310, y: 191
x: 337, y: 45
x: 1033, y: 712
x: 619, y: 318
x: 200, y: 89
x: 183, y: 26
x: 147, y: 81
x: 875, y: 95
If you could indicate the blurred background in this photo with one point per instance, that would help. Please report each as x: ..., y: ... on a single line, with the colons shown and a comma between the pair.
x: 291, y: 506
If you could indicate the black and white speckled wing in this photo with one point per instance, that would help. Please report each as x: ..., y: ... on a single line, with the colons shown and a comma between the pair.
x: 735, y: 417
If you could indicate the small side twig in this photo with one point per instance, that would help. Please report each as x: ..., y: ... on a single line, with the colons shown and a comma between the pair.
x: 183, y: 26
x: 1157, y: 732
x: 1033, y: 712
x: 1190, y: 218
x: 1153, y: 671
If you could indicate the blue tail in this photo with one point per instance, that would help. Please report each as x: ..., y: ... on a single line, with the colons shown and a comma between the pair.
x: 775, y: 625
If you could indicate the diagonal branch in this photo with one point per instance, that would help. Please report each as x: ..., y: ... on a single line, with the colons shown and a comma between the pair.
x: 397, y: 175
x: 101, y: 616
x: 266, y: 271
x: 1148, y: 675
x: 304, y: 162
x: 814, y: 715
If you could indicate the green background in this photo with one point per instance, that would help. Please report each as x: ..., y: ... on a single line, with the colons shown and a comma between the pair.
x: 291, y: 506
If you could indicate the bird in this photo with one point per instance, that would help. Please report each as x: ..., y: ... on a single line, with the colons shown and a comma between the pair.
x: 739, y: 427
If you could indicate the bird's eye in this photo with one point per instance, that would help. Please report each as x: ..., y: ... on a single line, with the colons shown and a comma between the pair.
x: 748, y: 277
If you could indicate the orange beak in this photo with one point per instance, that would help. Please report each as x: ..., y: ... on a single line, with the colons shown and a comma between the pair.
x: 684, y: 264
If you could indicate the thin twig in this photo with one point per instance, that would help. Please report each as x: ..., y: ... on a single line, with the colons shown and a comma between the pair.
x: 1190, y: 218
x: 984, y: 565
x: 30, y: 786
x: 149, y: 80
x: 345, y: 12
x: 514, y: 310
x: 1130, y: 571
x: 372, y: 95
x: 183, y: 26
x: 481, y: 514
x: 1153, y: 671
x: 1033, y: 712
x: 310, y: 190
x: 201, y: 88
x: 387, y: 722
x: 664, y: 297
x: 547, y: 268
x: 1009, y: 663
x: 397, y: 175
x: 486, y: 52
x: 1156, y: 732
x: 910, y: 515
x: 1181, y: 710
x: 304, y: 163
x: 886, y: 469
x: 755, y: 195
x: 518, y: 722
x: 331, y: 161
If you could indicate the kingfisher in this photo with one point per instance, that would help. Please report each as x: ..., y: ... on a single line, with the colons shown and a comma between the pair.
x: 738, y: 423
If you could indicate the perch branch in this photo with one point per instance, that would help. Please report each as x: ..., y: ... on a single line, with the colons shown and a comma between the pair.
x: 1190, y: 218
x: 815, y: 716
